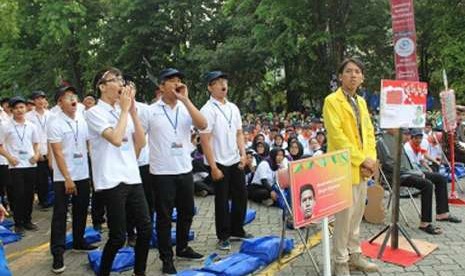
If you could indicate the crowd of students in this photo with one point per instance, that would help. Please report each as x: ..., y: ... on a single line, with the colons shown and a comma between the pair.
x: 131, y: 159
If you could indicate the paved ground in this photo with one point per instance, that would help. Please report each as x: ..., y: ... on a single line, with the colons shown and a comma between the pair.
x: 31, y: 257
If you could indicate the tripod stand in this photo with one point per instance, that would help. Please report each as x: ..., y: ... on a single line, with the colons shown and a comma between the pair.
x: 393, y: 229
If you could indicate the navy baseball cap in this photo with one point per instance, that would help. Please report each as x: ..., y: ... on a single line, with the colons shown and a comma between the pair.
x: 416, y: 132
x: 213, y: 75
x: 62, y: 90
x: 169, y: 73
x: 38, y: 94
x: 16, y: 100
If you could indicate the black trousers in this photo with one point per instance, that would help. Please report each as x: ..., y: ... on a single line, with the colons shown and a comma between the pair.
x: 258, y: 193
x: 146, y: 183
x: 5, y: 184
x: 426, y: 185
x: 122, y: 201
x: 97, y: 207
x: 230, y: 223
x: 80, y: 203
x: 43, y: 174
x: 22, y: 194
x: 173, y: 191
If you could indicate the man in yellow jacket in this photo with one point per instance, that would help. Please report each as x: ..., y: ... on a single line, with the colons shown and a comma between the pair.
x: 349, y: 126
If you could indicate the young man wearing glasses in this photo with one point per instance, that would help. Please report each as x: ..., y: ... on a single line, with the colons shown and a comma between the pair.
x: 117, y: 137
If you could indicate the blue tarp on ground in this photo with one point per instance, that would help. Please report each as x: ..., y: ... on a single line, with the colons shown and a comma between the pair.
x: 124, y: 260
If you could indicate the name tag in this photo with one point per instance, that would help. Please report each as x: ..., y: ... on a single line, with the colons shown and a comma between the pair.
x: 125, y: 145
x: 78, y: 159
x: 23, y: 155
x: 176, y: 149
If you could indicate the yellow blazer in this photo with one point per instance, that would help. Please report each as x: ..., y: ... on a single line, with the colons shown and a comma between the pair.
x: 342, y: 133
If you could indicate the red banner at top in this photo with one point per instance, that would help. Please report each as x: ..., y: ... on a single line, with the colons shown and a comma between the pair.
x: 405, y: 44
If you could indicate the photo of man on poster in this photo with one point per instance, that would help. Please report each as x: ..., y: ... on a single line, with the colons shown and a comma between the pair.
x: 307, y: 200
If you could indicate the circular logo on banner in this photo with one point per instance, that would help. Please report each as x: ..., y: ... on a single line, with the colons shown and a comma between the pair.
x: 404, y: 47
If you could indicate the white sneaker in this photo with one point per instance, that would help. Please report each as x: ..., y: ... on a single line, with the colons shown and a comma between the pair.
x: 360, y: 263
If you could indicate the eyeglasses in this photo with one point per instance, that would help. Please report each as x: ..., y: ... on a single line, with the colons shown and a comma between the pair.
x: 116, y: 79
x: 70, y: 98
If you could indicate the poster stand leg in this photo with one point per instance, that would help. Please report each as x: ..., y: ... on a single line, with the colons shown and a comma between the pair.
x: 394, y: 228
x: 326, y: 248
x: 288, y: 212
x: 453, y: 197
x: 390, y: 199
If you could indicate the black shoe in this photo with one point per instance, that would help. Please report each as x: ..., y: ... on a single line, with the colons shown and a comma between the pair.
x: 168, y: 268
x: 58, y: 265
x: 31, y: 226
x: 189, y: 253
x: 131, y: 241
x: 84, y: 247
x: 20, y: 230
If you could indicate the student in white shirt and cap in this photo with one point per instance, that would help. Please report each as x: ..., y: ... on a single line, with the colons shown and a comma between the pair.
x: 68, y: 136
x: 168, y: 123
x: 40, y: 116
x: 223, y: 145
x: 19, y: 144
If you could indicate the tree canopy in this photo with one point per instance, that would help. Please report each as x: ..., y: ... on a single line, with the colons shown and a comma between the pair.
x: 276, y: 53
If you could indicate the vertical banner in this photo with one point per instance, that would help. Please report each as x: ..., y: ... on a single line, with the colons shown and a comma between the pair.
x: 449, y: 113
x: 405, y: 41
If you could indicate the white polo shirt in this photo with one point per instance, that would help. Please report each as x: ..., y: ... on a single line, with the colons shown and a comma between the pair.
x: 224, y: 120
x: 143, y: 159
x: 18, y: 140
x: 73, y: 136
x: 40, y: 120
x: 111, y: 165
x: 169, y: 149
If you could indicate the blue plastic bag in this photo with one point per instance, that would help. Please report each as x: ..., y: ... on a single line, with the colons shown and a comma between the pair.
x: 7, y: 236
x: 249, y: 216
x: 4, y: 269
x: 237, y: 264
x: 154, y: 239
x: 7, y: 223
x: 195, y: 273
x: 123, y: 261
x: 90, y: 236
x: 265, y: 248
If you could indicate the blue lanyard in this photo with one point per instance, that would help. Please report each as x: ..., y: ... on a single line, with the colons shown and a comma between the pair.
x: 175, y: 124
x: 113, y: 114
x: 21, y: 138
x: 40, y: 121
x: 75, y: 134
x: 224, y: 115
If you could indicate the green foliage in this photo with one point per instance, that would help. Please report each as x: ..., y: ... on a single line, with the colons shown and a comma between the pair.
x: 276, y: 53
